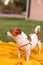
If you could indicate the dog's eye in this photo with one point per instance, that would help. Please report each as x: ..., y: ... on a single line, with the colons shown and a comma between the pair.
x: 11, y: 31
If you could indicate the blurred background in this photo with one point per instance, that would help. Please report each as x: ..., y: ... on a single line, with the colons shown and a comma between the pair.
x: 12, y: 6
x: 12, y: 12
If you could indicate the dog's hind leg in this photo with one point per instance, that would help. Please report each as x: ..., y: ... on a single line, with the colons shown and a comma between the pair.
x: 39, y: 47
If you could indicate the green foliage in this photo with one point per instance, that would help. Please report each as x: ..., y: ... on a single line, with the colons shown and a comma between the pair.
x: 16, y: 7
x: 1, y: 5
x: 20, y: 3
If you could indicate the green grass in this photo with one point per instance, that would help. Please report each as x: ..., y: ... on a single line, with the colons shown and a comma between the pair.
x: 27, y: 26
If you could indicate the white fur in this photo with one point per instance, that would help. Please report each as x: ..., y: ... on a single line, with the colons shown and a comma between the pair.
x: 34, y: 40
x: 37, y: 28
x: 9, y: 34
x: 22, y: 40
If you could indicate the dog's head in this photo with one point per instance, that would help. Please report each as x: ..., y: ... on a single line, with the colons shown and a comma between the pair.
x: 14, y: 32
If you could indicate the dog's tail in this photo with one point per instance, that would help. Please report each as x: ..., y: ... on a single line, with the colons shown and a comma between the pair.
x: 37, y: 29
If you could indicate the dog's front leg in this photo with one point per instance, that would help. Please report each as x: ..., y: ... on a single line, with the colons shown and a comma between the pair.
x: 27, y: 55
x: 18, y: 53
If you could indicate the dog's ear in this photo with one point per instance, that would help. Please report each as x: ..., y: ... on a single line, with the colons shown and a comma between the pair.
x: 18, y: 30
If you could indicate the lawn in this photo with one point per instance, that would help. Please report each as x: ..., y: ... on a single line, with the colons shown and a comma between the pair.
x: 27, y: 26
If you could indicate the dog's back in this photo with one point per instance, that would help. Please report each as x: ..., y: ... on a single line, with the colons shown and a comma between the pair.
x: 35, y: 37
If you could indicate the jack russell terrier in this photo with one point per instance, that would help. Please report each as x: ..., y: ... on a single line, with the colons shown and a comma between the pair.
x: 25, y: 42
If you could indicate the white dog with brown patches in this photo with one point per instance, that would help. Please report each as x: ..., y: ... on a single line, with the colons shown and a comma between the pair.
x: 25, y: 42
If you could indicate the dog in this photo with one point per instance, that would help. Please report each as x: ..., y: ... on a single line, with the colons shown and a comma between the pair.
x: 25, y: 42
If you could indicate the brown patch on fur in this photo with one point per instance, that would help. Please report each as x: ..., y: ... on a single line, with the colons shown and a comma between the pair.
x: 29, y: 38
x: 38, y: 35
x: 15, y: 31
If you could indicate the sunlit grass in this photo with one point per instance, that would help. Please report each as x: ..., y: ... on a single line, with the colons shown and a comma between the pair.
x: 27, y: 26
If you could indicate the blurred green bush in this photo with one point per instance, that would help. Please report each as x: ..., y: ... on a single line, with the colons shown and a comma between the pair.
x: 16, y: 7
